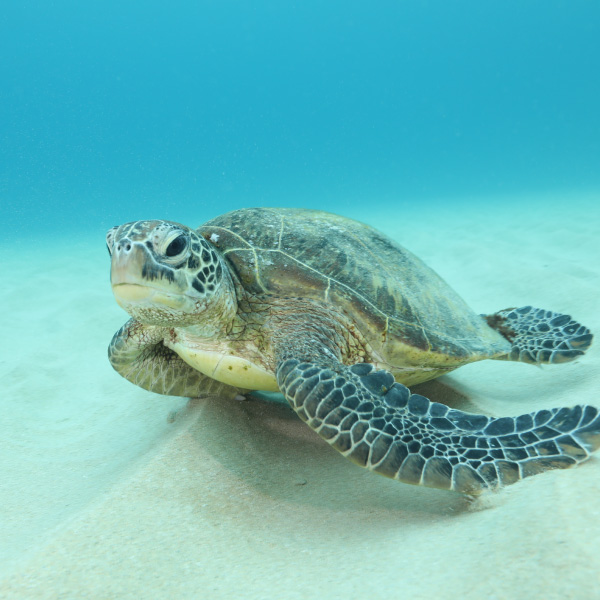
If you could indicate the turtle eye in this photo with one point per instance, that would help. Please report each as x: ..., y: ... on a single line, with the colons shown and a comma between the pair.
x: 176, y: 247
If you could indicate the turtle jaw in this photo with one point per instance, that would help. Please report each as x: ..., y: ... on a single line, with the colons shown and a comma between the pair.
x: 155, y: 306
x: 130, y: 295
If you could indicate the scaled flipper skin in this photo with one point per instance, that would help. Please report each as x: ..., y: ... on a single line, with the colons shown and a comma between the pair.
x: 540, y: 336
x: 138, y: 354
x: 380, y: 425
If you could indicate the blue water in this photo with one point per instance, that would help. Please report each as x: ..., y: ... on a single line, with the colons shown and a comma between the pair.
x: 439, y: 113
x: 113, y: 111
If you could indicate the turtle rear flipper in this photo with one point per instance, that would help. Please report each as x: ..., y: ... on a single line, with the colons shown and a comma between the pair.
x: 378, y: 424
x: 540, y: 336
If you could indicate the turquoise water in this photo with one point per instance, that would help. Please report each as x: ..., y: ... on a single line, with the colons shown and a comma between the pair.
x: 466, y: 130
x: 117, y: 111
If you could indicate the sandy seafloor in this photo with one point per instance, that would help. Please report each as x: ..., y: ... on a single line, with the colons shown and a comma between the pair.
x: 108, y: 491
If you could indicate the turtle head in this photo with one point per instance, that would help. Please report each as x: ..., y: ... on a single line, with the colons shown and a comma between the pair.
x: 164, y: 273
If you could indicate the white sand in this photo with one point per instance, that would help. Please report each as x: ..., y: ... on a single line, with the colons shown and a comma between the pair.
x: 103, y: 497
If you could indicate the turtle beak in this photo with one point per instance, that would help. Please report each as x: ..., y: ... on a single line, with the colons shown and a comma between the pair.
x: 126, y: 273
x: 127, y: 260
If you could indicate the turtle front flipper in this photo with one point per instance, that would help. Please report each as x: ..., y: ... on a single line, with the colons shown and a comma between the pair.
x: 138, y: 354
x: 380, y: 425
x: 540, y: 336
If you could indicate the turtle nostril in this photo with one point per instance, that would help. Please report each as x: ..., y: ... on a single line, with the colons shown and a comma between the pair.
x: 124, y: 246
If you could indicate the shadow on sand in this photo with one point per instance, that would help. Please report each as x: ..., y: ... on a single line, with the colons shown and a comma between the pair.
x: 264, y: 443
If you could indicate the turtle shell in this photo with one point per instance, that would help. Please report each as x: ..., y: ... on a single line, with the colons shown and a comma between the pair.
x: 397, y: 302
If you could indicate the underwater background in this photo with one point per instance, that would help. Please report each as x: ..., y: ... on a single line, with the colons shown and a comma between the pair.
x: 468, y: 131
x: 116, y: 111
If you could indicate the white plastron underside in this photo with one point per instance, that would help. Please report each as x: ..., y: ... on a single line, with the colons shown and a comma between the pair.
x: 226, y: 368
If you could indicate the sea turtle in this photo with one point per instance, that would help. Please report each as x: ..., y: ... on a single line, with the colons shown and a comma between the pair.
x: 338, y: 318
